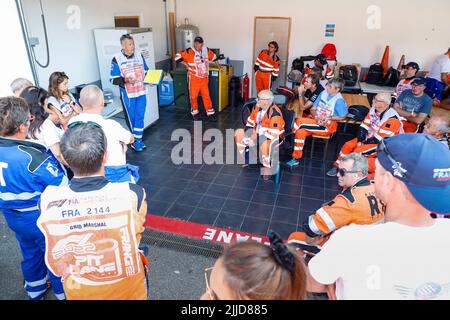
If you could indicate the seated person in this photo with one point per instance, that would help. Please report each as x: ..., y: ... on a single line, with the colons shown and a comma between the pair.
x: 322, y: 63
x: 116, y: 167
x: 329, y: 108
x: 410, y: 71
x: 437, y: 79
x: 62, y: 102
x: 414, y: 105
x: 381, y: 122
x: 18, y: 85
x: 355, y: 204
x: 438, y: 127
x: 264, y: 127
x: 308, y: 93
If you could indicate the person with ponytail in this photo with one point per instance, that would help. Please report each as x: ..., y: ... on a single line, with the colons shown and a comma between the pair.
x: 254, y: 271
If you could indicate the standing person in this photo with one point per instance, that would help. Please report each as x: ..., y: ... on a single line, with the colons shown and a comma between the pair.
x: 197, y: 62
x: 329, y: 108
x: 42, y: 129
x: 411, y: 69
x: 18, y: 85
x: 116, y: 167
x: 254, y: 271
x: 382, y: 121
x: 267, y: 67
x: 437, y: 79
x: 128, y: 70
x: 61, y: 101
x: 25, y: 171
x: 414, y: 105
x: 385, y: 261
x: 93, y: 227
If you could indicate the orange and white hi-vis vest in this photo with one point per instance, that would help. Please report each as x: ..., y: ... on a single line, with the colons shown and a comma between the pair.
x: 381, y: 126
x: 271, y: 124
x: 92, y: 241
x: 357, y: 204
x: 325, y: 108
x: 198, y: 62
x: 403, y: 85
x: 267, y: 64
x: 132, y: 68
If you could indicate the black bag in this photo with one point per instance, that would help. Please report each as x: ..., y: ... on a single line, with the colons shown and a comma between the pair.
x: 350, y: 74
x: 357, y: 113
x: 375, y: 74
x: 392, y: 78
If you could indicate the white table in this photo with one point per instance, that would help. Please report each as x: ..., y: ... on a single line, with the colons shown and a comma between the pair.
x: 373, y: 88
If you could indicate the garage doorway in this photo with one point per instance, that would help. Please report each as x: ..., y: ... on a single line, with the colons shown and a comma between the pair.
x: 268, y: 29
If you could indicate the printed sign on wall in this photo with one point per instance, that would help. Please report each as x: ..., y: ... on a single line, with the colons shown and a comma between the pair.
x: 329, y: 30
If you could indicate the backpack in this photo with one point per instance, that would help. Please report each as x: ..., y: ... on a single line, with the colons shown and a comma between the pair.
x: 392, y: 78
x: 357, y: 112
x: 329, y: 50
x: 288, y: 93
x: 350, y: 74
x: 375, y: 74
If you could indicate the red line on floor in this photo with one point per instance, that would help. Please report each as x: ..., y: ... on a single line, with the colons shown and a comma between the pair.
x: 200, y: 231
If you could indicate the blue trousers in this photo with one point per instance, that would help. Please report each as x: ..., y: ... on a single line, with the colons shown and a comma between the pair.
x: 135, y: 113
x: 32, y: 245
x: 434, y: 88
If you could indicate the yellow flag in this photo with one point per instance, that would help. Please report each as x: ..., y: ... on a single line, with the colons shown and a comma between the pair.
x: 154, y: 77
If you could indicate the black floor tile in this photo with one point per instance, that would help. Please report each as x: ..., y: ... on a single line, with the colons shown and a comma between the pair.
x: 185, y: 173
x: 177, y: 184
x: 290, y: 190
x: 190, y: 198
x: 294, y: 179
x: 263, y: 197
x: 260, y: 211
x: 255, y: 226
x: 313, y: 182
x: 283, y: 229
x: 225, y: 179
x: 204, y: 216
x: 158, y: 207
x: 204, y: 176
x: 166, y: 194
x: 313, y: 193
x: 198, y: 186
x: 247, y: 183
x: 235, y: 206
x: 231, y: 169
x: 285, y: 215
x: 330, y: 194
x: 241, y: 194
x: 218, y: 191
x: 310, y: 205
x: 267, y: 186
x: 288, y: 202
x: 229, y: 221
x: 211, y: 203
x: 180, y: 211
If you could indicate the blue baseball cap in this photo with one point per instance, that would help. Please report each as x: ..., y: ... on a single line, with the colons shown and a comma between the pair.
x: 422, y: 163
x: 322, y: 59
x: 419, y: 81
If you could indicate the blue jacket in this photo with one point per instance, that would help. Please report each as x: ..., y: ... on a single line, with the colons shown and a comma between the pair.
x: 26, y: 170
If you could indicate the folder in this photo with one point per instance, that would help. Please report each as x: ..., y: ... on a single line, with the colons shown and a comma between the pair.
x: 154, y: 77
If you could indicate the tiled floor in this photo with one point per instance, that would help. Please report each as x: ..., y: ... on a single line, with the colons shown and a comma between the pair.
x: 228, y: 196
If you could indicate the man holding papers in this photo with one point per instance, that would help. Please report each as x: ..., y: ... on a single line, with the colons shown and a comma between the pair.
x: 128, y: 70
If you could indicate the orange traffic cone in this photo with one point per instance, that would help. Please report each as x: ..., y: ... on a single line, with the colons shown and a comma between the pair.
x: 401, y: 63
x: 385, y: 61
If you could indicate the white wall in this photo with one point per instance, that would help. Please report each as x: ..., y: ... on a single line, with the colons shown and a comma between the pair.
x: 14, y: 62
x: 406, y: 26
x: 73, y: 50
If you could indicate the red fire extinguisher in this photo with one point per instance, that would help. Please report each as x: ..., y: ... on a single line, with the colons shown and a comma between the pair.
x: 246, y: 86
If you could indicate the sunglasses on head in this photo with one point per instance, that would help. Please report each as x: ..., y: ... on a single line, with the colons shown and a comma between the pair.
x: 382, y: 148
x: 78, y: 123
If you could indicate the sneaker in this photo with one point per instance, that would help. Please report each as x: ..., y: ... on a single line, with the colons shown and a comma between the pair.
x: 136, y: 146
x: 332, y: 172
x: 212, y: 118
x: 293, y: 162
x: 143, y: 145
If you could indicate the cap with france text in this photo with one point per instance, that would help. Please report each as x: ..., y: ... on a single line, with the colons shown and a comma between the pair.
x: 423, y: 164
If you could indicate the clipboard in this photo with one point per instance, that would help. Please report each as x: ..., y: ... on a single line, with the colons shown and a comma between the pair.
x: 154, y: 77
